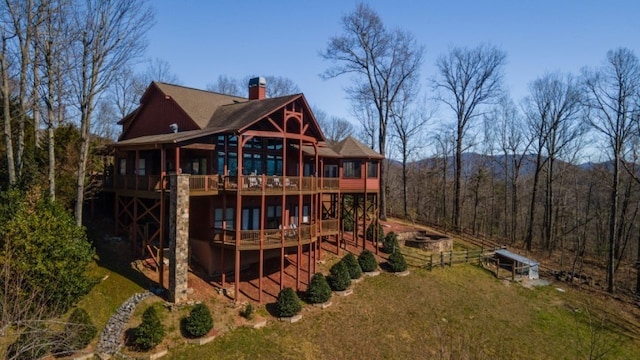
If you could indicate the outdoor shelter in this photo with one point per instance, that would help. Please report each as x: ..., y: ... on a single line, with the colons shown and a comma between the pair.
x: 522, y: 265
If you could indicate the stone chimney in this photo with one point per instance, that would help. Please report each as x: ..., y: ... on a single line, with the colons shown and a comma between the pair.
x: 257, y: 88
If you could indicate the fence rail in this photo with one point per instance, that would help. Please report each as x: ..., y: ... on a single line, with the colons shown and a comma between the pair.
x: 449, y: 258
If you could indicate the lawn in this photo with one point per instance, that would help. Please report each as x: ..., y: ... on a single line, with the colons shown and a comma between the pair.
x: 459, y: 312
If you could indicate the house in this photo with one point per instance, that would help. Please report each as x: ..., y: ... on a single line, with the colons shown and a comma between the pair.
x: 230, y: 182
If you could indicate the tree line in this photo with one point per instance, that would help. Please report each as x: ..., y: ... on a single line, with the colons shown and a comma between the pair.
x: 492, y: 165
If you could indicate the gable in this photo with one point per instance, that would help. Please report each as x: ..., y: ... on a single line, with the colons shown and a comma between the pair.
x: 154, y: 116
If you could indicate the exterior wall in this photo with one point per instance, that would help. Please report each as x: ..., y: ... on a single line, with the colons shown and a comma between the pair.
x: 155, y: 117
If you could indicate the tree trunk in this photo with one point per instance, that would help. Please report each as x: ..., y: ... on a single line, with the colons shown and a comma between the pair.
x: 532, y: 207
x: 457, y: 202
x: 6, y: 104
x: 613, y: 224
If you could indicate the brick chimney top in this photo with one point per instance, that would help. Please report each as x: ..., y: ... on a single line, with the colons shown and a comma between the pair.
x: 257, y: 88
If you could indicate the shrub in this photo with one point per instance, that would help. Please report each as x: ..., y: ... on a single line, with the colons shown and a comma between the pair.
x: 339, y: 278
x: 367, y: 261
x: 78, y: 333
x: 247, y: 312
x: 41, y: 244
x: 150, y: 332
x: 371, y: 229
x: 397, y: 262
x: 319, y: 290
x: 288, y: 304
x: 390, y: 243
x: 350, y: 261
x: 199, y: 321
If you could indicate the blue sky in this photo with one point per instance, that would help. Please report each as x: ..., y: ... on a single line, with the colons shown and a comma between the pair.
x: 204, y: 39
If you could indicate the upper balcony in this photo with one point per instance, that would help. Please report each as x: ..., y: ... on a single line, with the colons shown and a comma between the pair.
x: 213, y: 184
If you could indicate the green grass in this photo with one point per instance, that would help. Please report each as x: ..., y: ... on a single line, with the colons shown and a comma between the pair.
x: 458, y: 312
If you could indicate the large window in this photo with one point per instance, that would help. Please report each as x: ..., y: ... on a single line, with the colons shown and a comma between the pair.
x: 351, y: 169
x: 252, y: 164
x: 372, y: 169
x: 250, y: 219
x: 331, y: 171
x: 274, y: 165
x: 197, y: 166
x: 274, y: 216
x: 218, y: 218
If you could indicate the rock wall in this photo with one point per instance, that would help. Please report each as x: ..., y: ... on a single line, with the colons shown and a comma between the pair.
x: 179, y: 238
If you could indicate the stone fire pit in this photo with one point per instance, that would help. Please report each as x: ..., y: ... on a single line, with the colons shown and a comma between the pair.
x: 430, y: 242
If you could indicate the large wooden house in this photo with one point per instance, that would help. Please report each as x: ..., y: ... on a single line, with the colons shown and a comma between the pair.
x: 261, y: 183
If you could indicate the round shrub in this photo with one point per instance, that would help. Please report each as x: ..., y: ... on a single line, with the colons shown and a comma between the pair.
x: 350, y: 261
x: 150, y: 332
x: 370, y: 232
x: 78, y: 333
x: 397, y: 262
x: 247, y: 312
x: 199, y: 321
x: 367, y: 261
x: 319, y: 290
x: 390, y: 243
x: 339, y: 278
x: 288, y: 304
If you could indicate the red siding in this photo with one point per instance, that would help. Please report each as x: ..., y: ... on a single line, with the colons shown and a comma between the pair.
x: 155, y: 117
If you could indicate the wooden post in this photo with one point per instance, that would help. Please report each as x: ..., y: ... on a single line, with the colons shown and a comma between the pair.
x: 466, y: 257
x: 497, y: 268
x: 451, y: 258
x: 430, y: 262
x: 441, y: 258
x: 513, y: 271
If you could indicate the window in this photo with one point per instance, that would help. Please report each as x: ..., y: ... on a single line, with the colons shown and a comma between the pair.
x: 252, y: 164
x: 331, y: 171
x: 142, y: 169
x: 274, y: 216
x: 274, y: 144
x: 232, y: 165
x: 197, y: 166
x: 372, y: 169
x: 308, y: 170
x: 220, y: 165
x: 253, y: 143
x: 274, y: 165
x: 217, y: 221
x: 250, y: 219
x: 122, y: 167
x: 351, y: 169
x: 306, y: 210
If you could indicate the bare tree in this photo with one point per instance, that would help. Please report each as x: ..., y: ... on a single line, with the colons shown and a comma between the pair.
x: 6, y: 91
x: 381, y: 61
x: 279, y: 86
x: 334, y: 128
x: 227, y: 85
x: 552, y: 111
x: 468, y: 79
x: 113, y: 35
x: 408, y: 123
x: 612, y: 96
x: 506, y: 128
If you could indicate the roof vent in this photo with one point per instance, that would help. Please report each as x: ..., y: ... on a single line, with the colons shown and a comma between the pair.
x: 174, y: 127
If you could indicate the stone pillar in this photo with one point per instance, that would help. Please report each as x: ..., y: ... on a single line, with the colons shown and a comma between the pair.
x: 179, y: 238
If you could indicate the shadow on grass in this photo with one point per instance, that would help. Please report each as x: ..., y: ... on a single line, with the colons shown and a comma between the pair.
x: 114, y: 256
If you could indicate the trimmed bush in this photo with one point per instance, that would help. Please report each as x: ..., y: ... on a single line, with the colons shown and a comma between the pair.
x: 339, y: 278
x: 367, y: 261
x: 371, y: 229
x: 390, y: 243
x: 319, y: 290
x: 397, y: 262
x: 199, y: 321
x: 78, y: 333
x: 288, y: 304
x: 247, y: 312
x: 350, y: 261
x: 150, y: 332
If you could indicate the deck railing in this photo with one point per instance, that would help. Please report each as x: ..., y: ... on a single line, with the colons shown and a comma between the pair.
x: 330, y: 226
x: 271, y: 236
x: 328, y: 183
x: 269, y: 184
x: 157, y: 183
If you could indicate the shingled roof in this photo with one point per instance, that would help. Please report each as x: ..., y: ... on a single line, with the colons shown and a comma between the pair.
x: 240, y: 115
x: 199, y: 105
x: 352, y: 148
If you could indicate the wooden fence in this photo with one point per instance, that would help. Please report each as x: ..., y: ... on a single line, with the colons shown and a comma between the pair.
x: 449, y: 258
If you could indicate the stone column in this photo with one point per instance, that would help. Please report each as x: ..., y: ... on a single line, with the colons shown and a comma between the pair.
x: 179, y: 238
